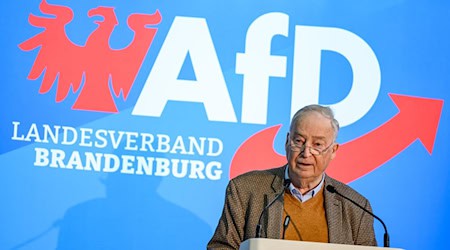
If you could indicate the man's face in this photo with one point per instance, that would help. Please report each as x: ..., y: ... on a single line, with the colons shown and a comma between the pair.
x: 313, y: 130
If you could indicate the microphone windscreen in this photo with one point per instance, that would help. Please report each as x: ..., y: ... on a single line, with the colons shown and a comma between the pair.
x: 331, y: 189
x: 287, y: 182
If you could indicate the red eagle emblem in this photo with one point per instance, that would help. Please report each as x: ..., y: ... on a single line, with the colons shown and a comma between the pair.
x: 95, y: 68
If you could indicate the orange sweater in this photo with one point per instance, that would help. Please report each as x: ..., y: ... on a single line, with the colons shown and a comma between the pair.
x: 307, y: 219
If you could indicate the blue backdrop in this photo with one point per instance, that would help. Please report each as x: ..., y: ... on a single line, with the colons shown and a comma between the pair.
x: 122, y: 122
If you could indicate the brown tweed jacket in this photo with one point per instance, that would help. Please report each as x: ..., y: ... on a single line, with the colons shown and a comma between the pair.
x: 248, y: 194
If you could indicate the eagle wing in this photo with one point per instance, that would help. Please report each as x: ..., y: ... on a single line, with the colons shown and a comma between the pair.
x: 129, y: 59
x: 58, y: 59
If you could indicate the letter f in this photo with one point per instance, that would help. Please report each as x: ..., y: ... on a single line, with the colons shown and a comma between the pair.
x: 257, y: 65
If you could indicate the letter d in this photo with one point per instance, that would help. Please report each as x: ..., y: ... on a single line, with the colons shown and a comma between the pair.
x: 309, y: 43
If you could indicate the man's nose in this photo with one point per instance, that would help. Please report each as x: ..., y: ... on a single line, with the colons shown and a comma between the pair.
x: 305, y: 151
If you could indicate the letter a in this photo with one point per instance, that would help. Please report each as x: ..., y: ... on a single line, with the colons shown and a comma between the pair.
x: 187, y: 35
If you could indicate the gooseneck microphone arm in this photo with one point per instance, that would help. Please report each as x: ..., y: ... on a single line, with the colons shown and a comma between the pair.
x: 259, y: 227
x: 331, y: 189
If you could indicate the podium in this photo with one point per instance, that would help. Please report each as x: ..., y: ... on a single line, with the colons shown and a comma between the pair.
x: 274, y: 244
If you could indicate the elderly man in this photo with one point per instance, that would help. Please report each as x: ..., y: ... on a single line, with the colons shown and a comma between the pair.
x: 306, y: 210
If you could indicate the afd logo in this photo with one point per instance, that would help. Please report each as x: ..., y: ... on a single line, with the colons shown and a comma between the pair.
x: 99, y: 66
x: 99, y: 73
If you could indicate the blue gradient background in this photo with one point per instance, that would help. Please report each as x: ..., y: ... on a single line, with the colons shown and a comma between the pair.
x: 45, y: 208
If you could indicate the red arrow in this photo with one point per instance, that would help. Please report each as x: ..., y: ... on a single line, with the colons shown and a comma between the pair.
x: 257, y: 153
x: 418, y: 118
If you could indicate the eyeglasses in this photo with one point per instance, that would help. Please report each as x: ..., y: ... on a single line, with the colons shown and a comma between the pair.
x: 301, y: 146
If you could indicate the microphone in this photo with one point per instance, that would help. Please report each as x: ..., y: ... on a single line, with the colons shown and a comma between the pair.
x: 331, y: 189
x: 259, y: 227
x: 286, y: 224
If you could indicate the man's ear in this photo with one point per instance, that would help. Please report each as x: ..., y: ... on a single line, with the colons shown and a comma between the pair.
x: 334, y: 150
x: 286, y: 144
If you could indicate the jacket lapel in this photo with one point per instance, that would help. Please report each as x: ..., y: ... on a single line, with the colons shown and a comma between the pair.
x: 273, y: 224
x: 333, y: 210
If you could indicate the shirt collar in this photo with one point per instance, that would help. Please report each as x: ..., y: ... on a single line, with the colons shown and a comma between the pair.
x: 303, y: 197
